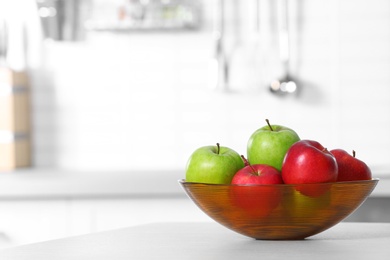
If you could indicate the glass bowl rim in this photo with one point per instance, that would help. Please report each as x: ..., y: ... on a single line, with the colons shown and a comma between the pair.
x: 183, y: 181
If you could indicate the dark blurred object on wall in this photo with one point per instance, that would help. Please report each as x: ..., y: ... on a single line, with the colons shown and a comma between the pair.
x: 63, y: 20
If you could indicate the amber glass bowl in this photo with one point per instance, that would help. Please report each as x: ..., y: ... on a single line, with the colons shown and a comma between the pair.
x: 279, y: 212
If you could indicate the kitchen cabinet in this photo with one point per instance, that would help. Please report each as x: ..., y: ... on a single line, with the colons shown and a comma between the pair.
x: 105, y: 214
x: 30, y: 221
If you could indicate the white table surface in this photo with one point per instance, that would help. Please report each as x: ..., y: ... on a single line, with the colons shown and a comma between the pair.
x: 210, y: 241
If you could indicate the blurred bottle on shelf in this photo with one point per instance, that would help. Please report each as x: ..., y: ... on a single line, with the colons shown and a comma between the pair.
x: 147, y: 15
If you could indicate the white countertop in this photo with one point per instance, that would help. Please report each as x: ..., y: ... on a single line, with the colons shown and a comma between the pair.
x: 55, y: 183
x: 210, y: 241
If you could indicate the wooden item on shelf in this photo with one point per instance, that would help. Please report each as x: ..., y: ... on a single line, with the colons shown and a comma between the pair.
x: 15, y: 130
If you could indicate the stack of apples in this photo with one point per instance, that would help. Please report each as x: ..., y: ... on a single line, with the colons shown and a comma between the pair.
x: 275, y: 155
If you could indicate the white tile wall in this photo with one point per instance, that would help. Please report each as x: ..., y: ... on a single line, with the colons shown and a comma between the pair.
x: 125, y: 101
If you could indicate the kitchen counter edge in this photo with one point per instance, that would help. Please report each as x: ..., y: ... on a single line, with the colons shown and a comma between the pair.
x: 38, y: 183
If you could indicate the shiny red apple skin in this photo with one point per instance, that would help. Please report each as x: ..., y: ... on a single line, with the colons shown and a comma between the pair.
x: 307, y: 161
x: 253, y: 190
x: 257, y: 174
x: 349, y: 167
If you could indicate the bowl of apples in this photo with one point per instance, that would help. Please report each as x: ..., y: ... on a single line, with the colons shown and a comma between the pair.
x: 287, y: 189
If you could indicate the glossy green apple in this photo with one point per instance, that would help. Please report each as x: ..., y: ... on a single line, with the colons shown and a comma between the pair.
x: 213, y: 164
x: 269, y: 144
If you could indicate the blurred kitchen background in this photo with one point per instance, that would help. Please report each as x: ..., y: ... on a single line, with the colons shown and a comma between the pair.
x: 103, y: 101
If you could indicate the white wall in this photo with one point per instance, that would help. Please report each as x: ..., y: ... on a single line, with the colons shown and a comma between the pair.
x: 143, y: 100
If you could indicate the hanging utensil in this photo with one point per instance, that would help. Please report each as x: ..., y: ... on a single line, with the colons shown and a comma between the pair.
x: 220, y: 48
x: 3, y: 42
x: 286, y: 84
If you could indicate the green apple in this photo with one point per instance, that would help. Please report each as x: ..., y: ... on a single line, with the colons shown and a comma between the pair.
x: 213, y: 164
x: 269, y: 144
x: 303, y: 207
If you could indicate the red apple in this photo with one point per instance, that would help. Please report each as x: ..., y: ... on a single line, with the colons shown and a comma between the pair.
x: 307, y: 161
x: 257, y: 174
x: 349, y: 167
x: 252, y: 190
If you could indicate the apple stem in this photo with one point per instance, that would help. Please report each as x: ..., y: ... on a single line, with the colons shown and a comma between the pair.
x: 246, y: 162
x: 269, y: 125
x: 353, y: 153
x: 218, y: 148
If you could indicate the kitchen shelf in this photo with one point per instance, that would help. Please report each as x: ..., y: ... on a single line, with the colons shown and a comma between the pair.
x: 38, y: 183
x: 125, y: 27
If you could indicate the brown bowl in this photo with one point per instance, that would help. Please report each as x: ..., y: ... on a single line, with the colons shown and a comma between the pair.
x: 282, y: 211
